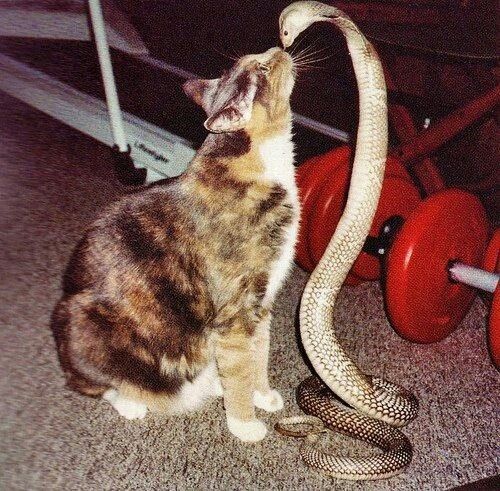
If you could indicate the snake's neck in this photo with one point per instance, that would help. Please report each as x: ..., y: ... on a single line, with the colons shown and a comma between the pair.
x: 322, y: 12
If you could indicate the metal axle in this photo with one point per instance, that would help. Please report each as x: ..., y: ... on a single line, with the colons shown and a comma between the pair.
x: 476, y: 277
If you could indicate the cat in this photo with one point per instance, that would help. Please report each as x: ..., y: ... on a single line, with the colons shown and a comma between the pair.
x: 167, y: 298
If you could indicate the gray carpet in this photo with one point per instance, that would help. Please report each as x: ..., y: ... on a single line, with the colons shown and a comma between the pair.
x: 52, y: 182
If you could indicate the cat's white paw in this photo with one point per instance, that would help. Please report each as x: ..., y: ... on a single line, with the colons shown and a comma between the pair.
x: 217, y: 389
x: 270, y: 402
x: 126, y: 407
x: 247, y: 431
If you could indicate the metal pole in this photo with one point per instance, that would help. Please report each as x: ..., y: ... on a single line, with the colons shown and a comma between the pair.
x: 115, y: 114
x: 478, y: 278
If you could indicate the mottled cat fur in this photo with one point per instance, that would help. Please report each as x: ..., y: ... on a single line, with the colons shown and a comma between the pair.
x: 172, y: 286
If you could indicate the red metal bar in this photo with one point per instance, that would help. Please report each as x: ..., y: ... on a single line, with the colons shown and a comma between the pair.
x: 427, y: 141
x: 425, y: 170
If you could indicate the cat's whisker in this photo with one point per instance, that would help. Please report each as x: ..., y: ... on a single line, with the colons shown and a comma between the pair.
x: 308, y: 65
x: 235, y: 53
x: 304, y: 53
x: 298, y: 52
x: 224, y: 54
x: 309, y: 69
x: 309, y: 55
x: 301, y: 42
x: 313, y: 60
x: 305, y: 66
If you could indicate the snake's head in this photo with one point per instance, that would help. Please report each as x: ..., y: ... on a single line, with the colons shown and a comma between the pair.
x: 292, y: 23
x: 294, y: 19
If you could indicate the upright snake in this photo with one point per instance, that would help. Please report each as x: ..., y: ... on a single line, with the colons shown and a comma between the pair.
x: 382, y: 402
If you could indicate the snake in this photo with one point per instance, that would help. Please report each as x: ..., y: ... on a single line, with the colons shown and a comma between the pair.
x: 376, y: 407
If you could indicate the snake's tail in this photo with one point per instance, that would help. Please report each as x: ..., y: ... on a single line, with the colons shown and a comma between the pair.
x: 396, y: 449
x: 358, y: 469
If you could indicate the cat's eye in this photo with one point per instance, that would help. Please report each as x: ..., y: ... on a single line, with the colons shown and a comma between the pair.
x: 264, y: 68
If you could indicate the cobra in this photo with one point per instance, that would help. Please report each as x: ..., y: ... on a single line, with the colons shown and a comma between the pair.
x: 381, y: 402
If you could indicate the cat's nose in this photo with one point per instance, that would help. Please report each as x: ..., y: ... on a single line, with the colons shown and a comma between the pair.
x: 267, y: 55
x: 272, y: 54
x: 272, y: 51
x: 278, y: 55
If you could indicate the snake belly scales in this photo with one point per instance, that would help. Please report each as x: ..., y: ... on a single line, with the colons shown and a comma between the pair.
x: 378, y: 406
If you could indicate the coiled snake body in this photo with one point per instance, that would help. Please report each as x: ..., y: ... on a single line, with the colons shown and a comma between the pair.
x: 387, y: 403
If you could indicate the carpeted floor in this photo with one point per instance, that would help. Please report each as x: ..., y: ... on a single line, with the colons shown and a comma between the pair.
x: 52, y: 183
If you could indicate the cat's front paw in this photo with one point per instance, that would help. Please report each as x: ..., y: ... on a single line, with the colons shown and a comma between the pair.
x: 247, y: 431
x: 217, y: 389
x: 270, y: 401
x: 127, y: 408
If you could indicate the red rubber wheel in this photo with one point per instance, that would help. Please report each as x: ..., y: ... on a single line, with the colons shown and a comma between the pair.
x: 398, y: 197
x: 330, y: 204
x: 302, y: 178
x: 422, y: 304
x: 315, y: 209
x: 310, y: 177
x: 494, y: 329
x: 492, y: 257
x: 303, y: 172
x: 302, y: 249
x: 323, y: 182
x: 328, y: 207
x: 314, y: 172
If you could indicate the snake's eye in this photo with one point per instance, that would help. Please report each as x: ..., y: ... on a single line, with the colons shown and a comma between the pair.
x: 285, y: 33
x: 264, y: 68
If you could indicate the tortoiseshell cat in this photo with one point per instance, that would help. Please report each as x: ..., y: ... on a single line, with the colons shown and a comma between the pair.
x: 172, y: 287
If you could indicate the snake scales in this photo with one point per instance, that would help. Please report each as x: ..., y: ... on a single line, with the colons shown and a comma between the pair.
x: 382, y: 403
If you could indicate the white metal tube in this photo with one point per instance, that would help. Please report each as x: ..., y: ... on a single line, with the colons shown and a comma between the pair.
x: 115, y: 114
x: 478, y: 278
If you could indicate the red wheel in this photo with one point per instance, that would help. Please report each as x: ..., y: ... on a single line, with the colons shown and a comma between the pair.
x: 302, y: 249
x: 398, y: 197
x: 310, y: 177
x: 323, y: 183
x: 494, y: 329
x: 422, y: 303
x: 330, y: 204
x: 313, y: 173
x: 492, y: 256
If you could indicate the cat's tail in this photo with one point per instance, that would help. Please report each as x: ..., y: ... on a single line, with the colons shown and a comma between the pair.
x: 74, y: 380
x: 85, y: 387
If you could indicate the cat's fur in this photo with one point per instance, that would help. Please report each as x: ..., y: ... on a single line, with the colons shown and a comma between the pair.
x: 172, y: 286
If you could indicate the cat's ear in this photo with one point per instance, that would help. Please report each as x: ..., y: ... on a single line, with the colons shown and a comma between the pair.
x: 235, y: 114
x: 201, y: 91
